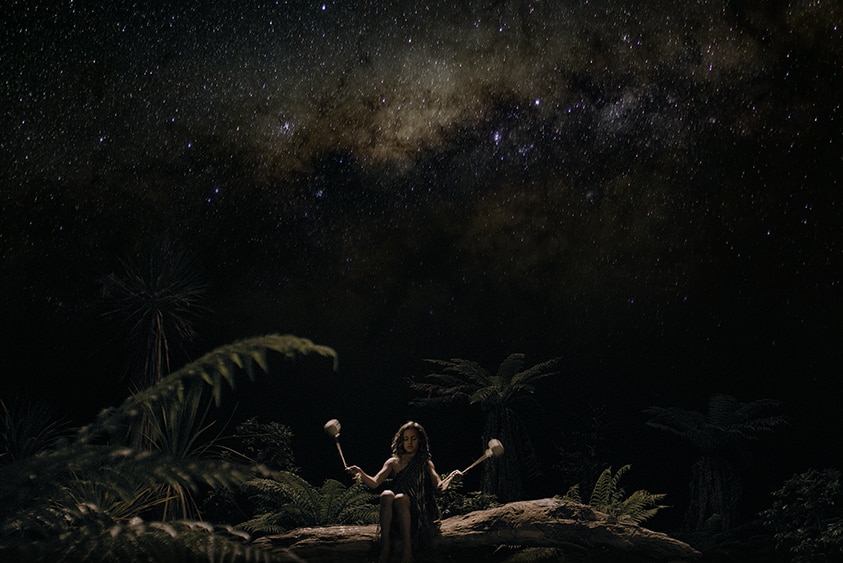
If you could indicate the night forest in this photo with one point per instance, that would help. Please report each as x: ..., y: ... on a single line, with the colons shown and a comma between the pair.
x: 605, y: 233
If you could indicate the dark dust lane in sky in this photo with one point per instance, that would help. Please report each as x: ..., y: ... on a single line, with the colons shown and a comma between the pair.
x: 650, y: 186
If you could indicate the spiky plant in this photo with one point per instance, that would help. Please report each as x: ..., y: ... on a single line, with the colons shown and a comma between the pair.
x: 610, y: 498
x: 89, y: 488
x: 720, y: 436
x: 156, y: 298
x: 29, y: 427
x: 498, y: 396
x: 291, y: 502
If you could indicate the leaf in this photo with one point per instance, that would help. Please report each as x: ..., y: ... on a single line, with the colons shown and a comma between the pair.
x: 511, y: 365
x: 205, y: 372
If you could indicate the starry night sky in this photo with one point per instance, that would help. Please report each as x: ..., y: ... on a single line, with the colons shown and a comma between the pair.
x: 649, y: 189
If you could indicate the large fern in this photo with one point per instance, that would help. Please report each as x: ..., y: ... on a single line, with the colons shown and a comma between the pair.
x: 78, y: 492
x: 224, y: 368
x: 720, y: 434
x: 96, y: 537
x: 610, y: 498
x: 497, y: 395
x: 465, y: 379
x: 289, y: 501
x: 725, y: 423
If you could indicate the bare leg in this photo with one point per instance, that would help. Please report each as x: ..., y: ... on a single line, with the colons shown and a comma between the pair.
x: 402, y: 507
x: 387, y: 499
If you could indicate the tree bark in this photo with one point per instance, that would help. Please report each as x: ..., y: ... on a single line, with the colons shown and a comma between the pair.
x: 536, y: 523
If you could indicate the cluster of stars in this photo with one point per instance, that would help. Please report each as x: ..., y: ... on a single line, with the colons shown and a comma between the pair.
x: 618, y: 131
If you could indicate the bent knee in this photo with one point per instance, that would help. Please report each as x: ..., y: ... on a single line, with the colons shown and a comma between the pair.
x: 387, y: 495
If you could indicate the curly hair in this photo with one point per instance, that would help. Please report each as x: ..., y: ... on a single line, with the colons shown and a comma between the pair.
x: 398, y: 439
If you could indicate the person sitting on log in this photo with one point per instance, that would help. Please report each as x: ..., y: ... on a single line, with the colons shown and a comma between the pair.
x: 409, y: 501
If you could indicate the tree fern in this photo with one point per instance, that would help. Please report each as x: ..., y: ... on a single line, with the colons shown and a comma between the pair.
x: 720, y: 435
x: 466, y: 381
x: 725, y: 423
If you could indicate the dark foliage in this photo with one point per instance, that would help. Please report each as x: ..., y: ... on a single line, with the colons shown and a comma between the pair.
x: 720, y: 435
x: 97, y: 496
x: 807, y: 516
x: 499, y: 396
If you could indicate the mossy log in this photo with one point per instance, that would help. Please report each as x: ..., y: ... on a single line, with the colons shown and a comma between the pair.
x: 536, y: 523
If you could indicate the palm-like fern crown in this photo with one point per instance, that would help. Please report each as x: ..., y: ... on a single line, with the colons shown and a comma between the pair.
x: 726, y: 421
x: 467, y: 380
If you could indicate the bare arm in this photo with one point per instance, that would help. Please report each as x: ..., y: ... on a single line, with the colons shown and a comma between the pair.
x: 439, y: 482
x: 378, y: 479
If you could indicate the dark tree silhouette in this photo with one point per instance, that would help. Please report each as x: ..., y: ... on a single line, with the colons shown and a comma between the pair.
x: 156, y: 298
x: 719, y: 435
x: 497, y: 395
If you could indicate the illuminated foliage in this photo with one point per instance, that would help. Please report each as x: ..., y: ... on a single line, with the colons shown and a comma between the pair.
x: 104, y: 492
x: 609, y: 497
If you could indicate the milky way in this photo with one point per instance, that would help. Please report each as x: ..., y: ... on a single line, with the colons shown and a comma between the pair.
x: 643, y: 184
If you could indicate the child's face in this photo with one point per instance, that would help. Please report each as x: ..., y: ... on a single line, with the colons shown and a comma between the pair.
x: 411, y: 441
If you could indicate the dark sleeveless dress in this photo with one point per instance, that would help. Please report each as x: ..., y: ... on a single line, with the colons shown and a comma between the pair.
x: 415, y: 482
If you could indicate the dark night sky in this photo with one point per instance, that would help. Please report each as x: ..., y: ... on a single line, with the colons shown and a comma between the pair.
x: 647, y: 188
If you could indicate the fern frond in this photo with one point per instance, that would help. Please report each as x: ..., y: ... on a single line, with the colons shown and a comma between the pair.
x: 601, y: 495
x: 610, y: 498
x: 117, y: 470
x: 725, y: 422
x: 617, y: 492
x: 302, y: 497
x: 267, y: 494
x: 680, y: 422
x: 484, y: 395
x: 354, y: 505
x: 330, y: 503
x: 293, y: 502
x: 435, y: 402
x: 85, y: 534
x: 446, y: 381
x: 252, y: 360
x: 640, y: 506
x: 467, y: 369
x: 513, y: 364
x: 573, y: 494
x: 537, y: 372
x: 264, y: 524
x: 442, y: 386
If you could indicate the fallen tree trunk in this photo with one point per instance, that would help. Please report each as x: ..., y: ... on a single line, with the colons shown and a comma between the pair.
x: 536, y: 523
